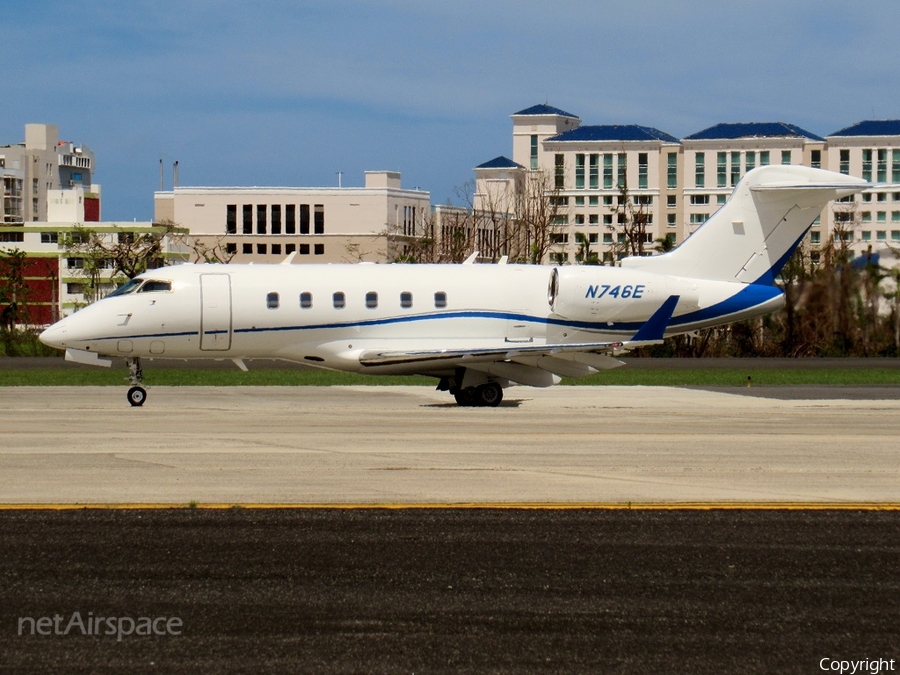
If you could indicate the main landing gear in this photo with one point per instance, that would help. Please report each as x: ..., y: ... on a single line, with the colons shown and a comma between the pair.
x: 484, y: 395
x: 136, y: 394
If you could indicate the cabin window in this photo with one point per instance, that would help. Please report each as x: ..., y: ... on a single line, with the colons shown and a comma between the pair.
x: 406, y: 299
x: 272, y: 300
x: 305, y: 300
x: 339, y: 300
x: 156, y: 287
x: 440, y: 299
x: 371, y: 299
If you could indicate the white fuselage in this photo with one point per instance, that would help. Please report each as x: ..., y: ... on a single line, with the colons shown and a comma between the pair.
x: 329, y: 315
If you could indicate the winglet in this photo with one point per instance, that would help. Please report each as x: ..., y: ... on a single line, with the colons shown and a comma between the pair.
x: 655, y: 327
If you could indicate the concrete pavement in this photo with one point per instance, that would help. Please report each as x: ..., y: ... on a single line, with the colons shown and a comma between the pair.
x: 403, y: 445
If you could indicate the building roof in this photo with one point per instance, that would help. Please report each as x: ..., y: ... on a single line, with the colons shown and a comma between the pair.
x: 614, y: 132
x: 736, y: 130
x: 544, y: 109
x: 500, y: 162
x: 871, y: 128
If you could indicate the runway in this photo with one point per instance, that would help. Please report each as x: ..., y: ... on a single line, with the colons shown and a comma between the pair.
x: 413, y: 445
x: 574, y: 529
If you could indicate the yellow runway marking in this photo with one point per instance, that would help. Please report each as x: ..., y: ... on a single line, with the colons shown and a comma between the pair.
x: 536, y: 506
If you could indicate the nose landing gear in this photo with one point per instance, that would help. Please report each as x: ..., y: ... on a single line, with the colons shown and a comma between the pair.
x: 136, y: 394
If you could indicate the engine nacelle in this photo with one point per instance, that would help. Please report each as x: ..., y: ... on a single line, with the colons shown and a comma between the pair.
x: 613, y: 294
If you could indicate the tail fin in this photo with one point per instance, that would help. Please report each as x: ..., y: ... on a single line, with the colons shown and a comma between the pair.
x: 752, y: 236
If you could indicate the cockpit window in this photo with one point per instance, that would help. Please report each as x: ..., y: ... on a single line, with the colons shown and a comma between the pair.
x: 156, y: 287
x: 129, y: 287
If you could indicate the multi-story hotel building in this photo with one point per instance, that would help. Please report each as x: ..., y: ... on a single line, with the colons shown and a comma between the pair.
x: 678, y: 184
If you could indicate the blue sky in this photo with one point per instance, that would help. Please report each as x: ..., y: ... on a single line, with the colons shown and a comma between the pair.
x: 285, y: 92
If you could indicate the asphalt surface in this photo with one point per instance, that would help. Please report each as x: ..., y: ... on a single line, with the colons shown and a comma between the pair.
x: 450, y: 591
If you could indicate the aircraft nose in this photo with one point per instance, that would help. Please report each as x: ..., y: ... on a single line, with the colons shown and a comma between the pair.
x: 54, y: 336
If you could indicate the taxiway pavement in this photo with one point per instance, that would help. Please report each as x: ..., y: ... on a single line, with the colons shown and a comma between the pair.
x: 413, y: 445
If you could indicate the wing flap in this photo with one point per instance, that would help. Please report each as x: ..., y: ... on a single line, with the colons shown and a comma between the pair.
x: 507, y: 352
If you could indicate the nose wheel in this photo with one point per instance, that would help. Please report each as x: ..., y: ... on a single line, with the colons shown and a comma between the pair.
x: 136, y: 394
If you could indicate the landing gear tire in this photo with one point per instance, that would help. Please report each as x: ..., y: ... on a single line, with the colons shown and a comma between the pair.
x: 486, y: 395
x: 466, y: 397
x: 489, y: 394
x: 137, y: 396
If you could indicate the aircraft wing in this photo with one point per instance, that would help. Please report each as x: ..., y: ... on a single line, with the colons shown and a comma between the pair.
x: 508, y: 351
x: 536, y: 365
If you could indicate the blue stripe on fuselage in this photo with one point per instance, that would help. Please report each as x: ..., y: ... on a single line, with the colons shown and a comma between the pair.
x: 748, y: 297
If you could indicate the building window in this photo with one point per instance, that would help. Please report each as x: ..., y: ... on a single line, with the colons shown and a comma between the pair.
x: 700, y: 170
x: 579, y: 171
x: 722, y: 169
x: 440, y: 299
x: 671, y: 220
x: 785, y: 156
x: 867, y: 165
x: 261, y: 249
x: 607, y: 172
x: 406, y: 299
x: 74, y: 289
x: 272, y: 301
x: 276, y: 249
x: 290, y: 219
x: 622, y: 166
x: 815, y: 238
x: 231, y: 219
x: 49, y: 238
x: 559, y: 180
x: 304, y: 249
x: 304, y: 219
x: 750, y: 160
x: 276, y: 218
x: 882, y: 166
x: 338, y: 300
x: 672, y: 171
x: 594, y: 176
x: 319, y: 249
x: 534, y: 152
x: 247, y: 222
x: 815, y: 159
x: 642, y: 170
x: 699, y: 199
x: 845, y: 162
x: 305, y: 300
x: 895, y: 168
x: 231, y: 248
x: 319, y: 219
x: 290, y: 248
x: 247, y: 249
x: 260, y: 218
x: 735, y: 168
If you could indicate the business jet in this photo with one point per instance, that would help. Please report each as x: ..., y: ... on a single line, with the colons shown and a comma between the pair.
x: 477, y: 328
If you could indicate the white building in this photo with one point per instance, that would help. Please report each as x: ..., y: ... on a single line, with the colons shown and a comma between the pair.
x: 264, y: 224
x: 679, y: 183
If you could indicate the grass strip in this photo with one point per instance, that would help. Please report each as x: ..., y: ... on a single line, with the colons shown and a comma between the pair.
x: 677, y: 377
